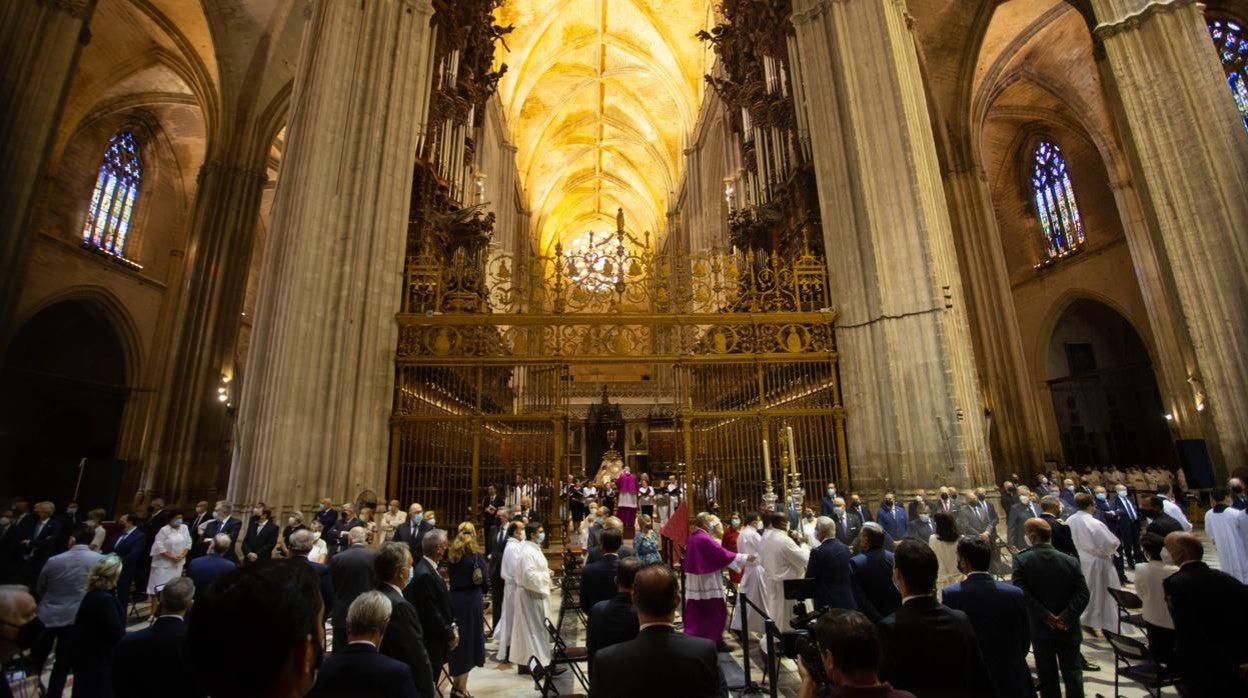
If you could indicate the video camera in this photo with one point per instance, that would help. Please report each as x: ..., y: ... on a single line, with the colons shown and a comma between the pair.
x: 801, y: 643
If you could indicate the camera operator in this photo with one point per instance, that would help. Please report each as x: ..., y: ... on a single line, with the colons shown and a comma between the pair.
x: 849, y: 646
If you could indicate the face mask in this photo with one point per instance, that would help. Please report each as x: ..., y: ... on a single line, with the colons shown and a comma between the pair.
x: 831, y: 491
x: 924, y: 518
x: 316, y: 535
x: 5, y: 521
x: 735, y: 522
x: 759, y: 526
x: 838, y: 510
x: 1237, y: 489
x: 980, y: 497
x: 1121, y: 493
x: 1044, y: 481
x: 541, y: 538
x: 411, y: 572
x: 1070, y: 488
x: 290, y: 522
x: 944, y: 496
x: 888, y: 502
x: 71, y: 511
x: 177, y: 523
x: 1166, y: 558
x: 433, y: 522
x: 417, y: 518
x: 320, y: 508
x: 810, y: 515
x: 1100, y: 496
x: 1025, y: 499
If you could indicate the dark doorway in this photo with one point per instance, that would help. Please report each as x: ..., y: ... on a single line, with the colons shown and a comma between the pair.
x: 63, y: 395
x: 1105, y: 396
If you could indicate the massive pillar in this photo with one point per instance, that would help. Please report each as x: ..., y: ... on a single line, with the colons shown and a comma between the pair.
x: 316, y: 403
x: 913, y: 409
x: 188, y: 458
x: 1015, y: 425
x: 1189, y: 156
x: 40, y: 41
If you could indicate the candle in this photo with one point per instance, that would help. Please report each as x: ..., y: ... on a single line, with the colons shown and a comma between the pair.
x: 766, y: 462
x: 788, y: 432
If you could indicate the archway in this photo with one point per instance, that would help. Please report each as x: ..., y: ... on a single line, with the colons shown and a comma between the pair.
x: 64, y: 377
x: 1105, y: 396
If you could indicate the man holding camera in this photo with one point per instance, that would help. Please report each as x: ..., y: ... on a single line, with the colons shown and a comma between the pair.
x: 849, y: 654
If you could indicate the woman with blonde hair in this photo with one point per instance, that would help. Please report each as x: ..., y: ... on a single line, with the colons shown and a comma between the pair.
x: 366, y: 520
x: 469, y: 582
x: 646, y: 543
x: 98, y: 628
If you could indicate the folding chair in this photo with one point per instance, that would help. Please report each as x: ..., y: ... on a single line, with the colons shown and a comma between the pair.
x: 571, y: 656
x: 544, y: 679
x: 1136, y: 661
x: 1128, y: 602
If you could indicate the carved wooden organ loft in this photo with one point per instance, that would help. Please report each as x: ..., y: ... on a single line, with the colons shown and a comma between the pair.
x: 503, y: 353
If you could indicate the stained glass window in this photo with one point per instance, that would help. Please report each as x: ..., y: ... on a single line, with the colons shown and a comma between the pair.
x: 1055, y: 201
x: 116, y: 189
x: 1228, y: 39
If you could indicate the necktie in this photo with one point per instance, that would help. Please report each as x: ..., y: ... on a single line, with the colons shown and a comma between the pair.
x: 120, y: 538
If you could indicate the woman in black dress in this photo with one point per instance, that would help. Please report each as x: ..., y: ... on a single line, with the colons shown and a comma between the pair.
x: 98, y: 627
x: 469, y: 582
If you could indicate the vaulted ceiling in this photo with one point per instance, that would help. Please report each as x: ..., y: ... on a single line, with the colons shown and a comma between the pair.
x: 599, y: 97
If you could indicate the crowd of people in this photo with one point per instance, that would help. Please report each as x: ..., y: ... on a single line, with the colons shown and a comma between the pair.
x: 912, y: 592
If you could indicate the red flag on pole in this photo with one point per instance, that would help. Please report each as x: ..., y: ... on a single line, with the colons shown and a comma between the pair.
x: 677, y: 527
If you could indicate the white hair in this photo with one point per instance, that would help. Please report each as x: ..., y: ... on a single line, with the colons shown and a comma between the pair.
x: 825, y: 528
x: 368, y: 614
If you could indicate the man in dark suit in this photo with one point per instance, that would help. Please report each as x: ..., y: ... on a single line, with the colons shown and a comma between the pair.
x: 404, y: 638
x: 929, y: 648
x: 1067, y: 495
x: 358, y: 669
x: 261, y: 535
x: 848, y: 525
x: 1159, y: 522
x: 37, y: 539
x: 428, y: 593
x: 155, y: 662
x: 1210, y: 612
x: 946, y: 502
x: 301, y: 544
x: 222, y: 523
x: 912, y: 509
x: 892, y: 517
x: 1056, y: 594
x: 491, y: 504
x: 873, y: 575
x: 859, y: 507
x: 340, y: 534
x: 130, y: 545
x: 998, y: 612
x: 598, y: 578
x: 1127, y: 525
x: 829, y: 567
x: 611, y: 523
x: 975, y: 518
x: 205, y: 570
x: 615, y: 620
x: 1061, y: 537
x: 351, y: 573
x: 327, y: 514
x: 203, y: 516
x: 410, y: 531
x: 921, y: 525
x: 1026, y: 508
x: 528, y: 511
x: 690, y: 664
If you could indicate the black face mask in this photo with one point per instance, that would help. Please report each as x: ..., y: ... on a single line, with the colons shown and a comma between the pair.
x: 980, y: 497
x: 1237, y: 489
x: 944, y: 496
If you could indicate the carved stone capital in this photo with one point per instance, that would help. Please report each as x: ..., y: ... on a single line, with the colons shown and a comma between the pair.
x: 1137, y: 19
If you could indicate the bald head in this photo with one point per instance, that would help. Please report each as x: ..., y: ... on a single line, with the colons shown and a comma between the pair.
x: 17, y: 608
x: 1037, y: 531
x: 1184, y: 547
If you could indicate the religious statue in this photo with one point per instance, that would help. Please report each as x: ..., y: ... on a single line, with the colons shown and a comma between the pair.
x: 612, y: 462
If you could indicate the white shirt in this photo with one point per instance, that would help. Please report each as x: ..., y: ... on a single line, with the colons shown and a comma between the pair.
x: 1148, y: 579
x: 1174, y: 510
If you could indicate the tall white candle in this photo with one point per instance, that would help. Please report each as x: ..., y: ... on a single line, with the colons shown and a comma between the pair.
x: 766, y: 462
x: 788, y: 432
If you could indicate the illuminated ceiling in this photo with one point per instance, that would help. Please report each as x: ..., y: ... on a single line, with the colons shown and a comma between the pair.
x: 599, y: 97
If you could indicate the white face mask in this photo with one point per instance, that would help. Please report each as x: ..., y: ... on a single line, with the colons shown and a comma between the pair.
x: 1166, y: 558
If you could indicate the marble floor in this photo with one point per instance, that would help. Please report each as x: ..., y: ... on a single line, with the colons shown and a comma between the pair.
x: 501, y: 680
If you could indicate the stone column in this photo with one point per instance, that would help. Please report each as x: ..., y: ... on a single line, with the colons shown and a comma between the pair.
x: 320, y: 373
x: 187, y: 460
x: 40, y: 41
x: 1189, y: 156
x: 914, y: 413
x: 1015, y: 425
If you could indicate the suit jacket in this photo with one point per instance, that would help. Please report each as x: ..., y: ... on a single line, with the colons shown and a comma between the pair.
x: 428, y: 593
x: 940, y: 505
x: 893, y: 521
x: 153, y: 524
x: 1164, y: 524
x: 1067, y: 497
x: 62, y: 583
x: 1063, y: 540
x: 404, y: 640
x: 1127, y: 524
x: 44, y: 545
x: 360, y: 670
x: 873, y: 584
x: 1210, y: 612
x: 825, y: 506
x: 930, y: 650
x: 327, y: 583
x: 912, y: 509
x: 920, y: 530
x: 691, y: 666
x: 597, y: 555
x: 130, y: 548
x: 611, y: 622
x: 1019, y: 514
x: 1052, y: 582
x: 847, y: 531
x: 230, y: 527
x: 197, y: 547
x: 862, y: 510
x: 258, y: 541
x: 998, y: 613
x: 829, y: 567
x: 975, y: 518
x: 351, y: 573
x: 155, y: 662
x: 205, y: 570
x: 598, y: 581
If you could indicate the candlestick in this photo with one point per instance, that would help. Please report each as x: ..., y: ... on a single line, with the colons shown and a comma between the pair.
x: 766, y: 462
x: 788, y: 432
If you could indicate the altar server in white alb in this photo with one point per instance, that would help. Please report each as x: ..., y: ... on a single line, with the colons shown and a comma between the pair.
x: 782, y: 559
x: 507, y: 570
x: 1228, y: 528
x: 752, y: 578
x: 527, y: 626
x: 1096, y: 545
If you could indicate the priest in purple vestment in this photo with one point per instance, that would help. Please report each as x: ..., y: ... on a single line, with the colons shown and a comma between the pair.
x: 626, y: 482
x: 706, y: 607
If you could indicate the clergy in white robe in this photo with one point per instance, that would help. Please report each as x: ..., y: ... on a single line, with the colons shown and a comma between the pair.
x: 507, y: 570
x: 1096, y: 545
x: 1228, y: 528
x: 706, y: 608
x: 752, y: 579
x: 527, y: 629
x: 782, y: 559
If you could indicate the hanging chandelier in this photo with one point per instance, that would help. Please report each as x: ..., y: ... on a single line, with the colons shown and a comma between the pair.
x: 596, y: 261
